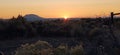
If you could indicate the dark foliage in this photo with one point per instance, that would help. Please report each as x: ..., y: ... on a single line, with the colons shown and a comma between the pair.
x: 94, y: 33
x: 20, y: 28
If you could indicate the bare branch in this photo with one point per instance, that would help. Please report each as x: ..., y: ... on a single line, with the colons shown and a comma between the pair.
x: 117, y: 14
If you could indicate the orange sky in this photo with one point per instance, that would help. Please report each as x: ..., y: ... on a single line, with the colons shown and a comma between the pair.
x: 58, y: 8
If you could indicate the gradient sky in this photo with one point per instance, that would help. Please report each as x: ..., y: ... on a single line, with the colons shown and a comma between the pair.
x: 58, y: 8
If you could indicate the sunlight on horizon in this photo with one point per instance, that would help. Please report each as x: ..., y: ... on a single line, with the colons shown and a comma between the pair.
x: 58, y: 8
x: 65, y: 17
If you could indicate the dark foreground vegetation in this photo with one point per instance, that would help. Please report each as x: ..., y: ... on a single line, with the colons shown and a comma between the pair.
x: 93, y: 36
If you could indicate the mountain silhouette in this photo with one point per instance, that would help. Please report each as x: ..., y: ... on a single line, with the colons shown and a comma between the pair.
x: 33, y: 17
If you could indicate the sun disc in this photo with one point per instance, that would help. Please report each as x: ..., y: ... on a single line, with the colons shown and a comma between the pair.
x: 65, y: 17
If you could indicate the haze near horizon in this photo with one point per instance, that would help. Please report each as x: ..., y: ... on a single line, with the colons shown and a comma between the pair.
x: 58, y: 8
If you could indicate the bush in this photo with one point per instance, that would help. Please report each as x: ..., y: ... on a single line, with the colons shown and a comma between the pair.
x: 44, y: 48
x: 39, y: 48
x: 61, y: 50
x: 78, y: 50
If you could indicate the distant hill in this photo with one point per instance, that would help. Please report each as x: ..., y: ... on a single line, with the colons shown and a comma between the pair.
x: 33, y: 17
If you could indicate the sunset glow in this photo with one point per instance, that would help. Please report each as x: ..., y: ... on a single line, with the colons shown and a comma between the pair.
x: 57, y: 8
x: 65, y: 17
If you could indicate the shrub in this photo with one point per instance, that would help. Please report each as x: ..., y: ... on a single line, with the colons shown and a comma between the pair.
x: 78, y: 50
x: 39, y: 48
x: 61, y: 50
x: 44, y: 48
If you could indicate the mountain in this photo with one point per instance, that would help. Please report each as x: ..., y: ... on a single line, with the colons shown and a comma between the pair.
x: 33, y: 17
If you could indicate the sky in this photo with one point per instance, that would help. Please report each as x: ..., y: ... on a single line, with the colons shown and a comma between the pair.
x: 58, y: 8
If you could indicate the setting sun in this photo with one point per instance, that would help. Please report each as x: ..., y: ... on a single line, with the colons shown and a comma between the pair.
x: 57, y: 8
x: 65, y: 17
